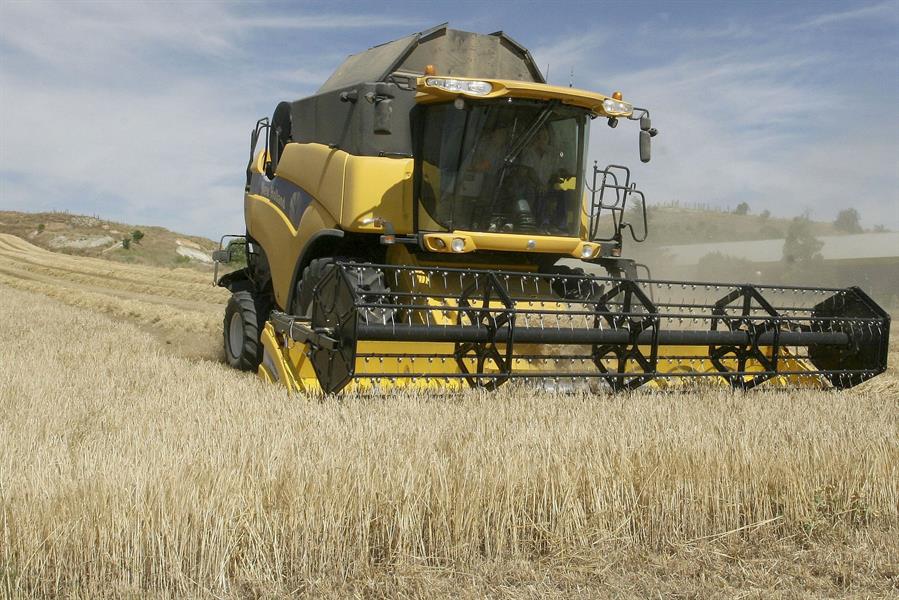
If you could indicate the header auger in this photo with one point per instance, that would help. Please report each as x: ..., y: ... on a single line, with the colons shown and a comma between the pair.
x: 405, y: 226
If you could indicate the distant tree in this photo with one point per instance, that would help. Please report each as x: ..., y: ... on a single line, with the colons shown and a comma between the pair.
x: 137, y: 235
x: 765, y: 215
x: 801, y: 247
x: 848, y: 220
x: 742, y: 209
x: 40, y: 227
x: 126, y: 243
x: 880, y: 228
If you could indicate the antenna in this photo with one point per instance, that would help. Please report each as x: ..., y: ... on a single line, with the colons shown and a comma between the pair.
x: 571, y: 78
x: 547, y: 73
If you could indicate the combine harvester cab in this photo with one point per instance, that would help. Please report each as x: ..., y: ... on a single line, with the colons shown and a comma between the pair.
x: 405, y: 228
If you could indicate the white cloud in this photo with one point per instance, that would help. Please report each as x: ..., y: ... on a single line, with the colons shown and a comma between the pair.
x: 54, y: 32
x: 754, y: 123
x: 154, y: 153
x: 562, y: 55
x: 70, y: 33
x: 883, y: 10
x: 325, y: 21
x: 141, y: 112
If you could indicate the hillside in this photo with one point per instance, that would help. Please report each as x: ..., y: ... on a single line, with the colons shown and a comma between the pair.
x: 81, y: 235
x: 671, y: 225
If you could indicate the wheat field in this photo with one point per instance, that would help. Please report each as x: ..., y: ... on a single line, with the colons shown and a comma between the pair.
x: 134, y: 464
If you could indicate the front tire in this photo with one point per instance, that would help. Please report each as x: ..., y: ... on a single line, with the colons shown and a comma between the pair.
x: 312, y: 274
x: 369, y: 282
x: 567, y: 288
x: 243, y: 324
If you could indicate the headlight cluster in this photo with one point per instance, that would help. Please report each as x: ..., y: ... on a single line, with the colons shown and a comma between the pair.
x: 475, y: 88
x: 614, y: 107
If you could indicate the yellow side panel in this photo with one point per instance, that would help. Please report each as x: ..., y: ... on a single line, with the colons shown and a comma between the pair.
x: 377, y: 187
x: 319, y: 170
x: 281, y: 242
x: 346, y: 191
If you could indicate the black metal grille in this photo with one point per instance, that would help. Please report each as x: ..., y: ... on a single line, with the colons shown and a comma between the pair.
x: 490, y: 327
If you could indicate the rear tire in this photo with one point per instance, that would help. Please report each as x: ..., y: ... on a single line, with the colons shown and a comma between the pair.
x: 244, y: 320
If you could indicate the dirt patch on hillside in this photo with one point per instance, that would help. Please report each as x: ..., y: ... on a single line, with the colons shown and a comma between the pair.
x: 80, y: 242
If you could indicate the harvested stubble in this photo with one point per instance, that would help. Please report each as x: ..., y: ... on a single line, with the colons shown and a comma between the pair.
x: 127, y: 471
x: 179, y: 306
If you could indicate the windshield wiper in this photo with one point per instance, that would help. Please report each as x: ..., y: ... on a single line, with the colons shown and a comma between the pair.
x: 517, y: 148
x: 530, y: 132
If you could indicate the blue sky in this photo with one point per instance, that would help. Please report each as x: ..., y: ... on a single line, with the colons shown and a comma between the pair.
x: 141, y: 112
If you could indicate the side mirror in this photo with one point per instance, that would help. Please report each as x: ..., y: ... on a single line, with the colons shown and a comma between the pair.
x: 222, y: 256
x: 645, y: 146
x: 383, y: 101
x: 279, y: 135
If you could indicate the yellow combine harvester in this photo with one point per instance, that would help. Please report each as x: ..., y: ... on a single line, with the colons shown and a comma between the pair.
x: 405, y: 226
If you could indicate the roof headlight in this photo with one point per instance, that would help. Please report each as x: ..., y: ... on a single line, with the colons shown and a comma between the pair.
x: 479, y: 88
x: 616, y: 107
x: 475, y: 88
x: 453, y: 85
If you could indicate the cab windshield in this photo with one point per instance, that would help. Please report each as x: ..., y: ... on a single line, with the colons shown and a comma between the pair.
x: 502, y: 166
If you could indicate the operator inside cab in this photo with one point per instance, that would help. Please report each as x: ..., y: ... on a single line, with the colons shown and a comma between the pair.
x: 510, y: 168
